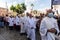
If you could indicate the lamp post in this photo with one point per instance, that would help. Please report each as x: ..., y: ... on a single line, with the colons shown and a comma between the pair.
x: 7, y: 7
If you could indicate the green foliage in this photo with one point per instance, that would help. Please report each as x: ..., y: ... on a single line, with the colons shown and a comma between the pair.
x: 19, y: 8
x: 12, y: 8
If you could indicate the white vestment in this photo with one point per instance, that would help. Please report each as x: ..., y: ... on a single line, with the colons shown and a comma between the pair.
x: 26, y: 23
x: 22, y: 25
x: 48, y: 23
x: 17, y: 20
x: 32, y: 23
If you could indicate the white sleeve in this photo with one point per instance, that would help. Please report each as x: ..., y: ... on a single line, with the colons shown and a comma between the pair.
x: 56, y: 26
x: 43, y: 29
x: 20, y: 21
x: 8, y: 20
x: 14, y: 21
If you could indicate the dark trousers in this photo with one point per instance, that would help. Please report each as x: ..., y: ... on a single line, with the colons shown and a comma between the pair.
x: 18, y: 27
x: 10, y: 27
x: 14, y: 26
x: 6, y: 23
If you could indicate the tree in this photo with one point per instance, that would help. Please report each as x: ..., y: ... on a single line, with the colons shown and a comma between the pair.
x: 12, y: 8
x: 23, y: 6
x: 19, y: 8
x: 35, y: 11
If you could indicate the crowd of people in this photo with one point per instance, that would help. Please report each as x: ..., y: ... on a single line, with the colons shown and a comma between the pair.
x: 47, y: 25
x: 24, y: 24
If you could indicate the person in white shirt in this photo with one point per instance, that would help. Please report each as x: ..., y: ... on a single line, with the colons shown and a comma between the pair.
x: 11, y: 21
x: 22, y: 31
x: 48, y: 27
x: 17, y: 22
x: 26, y: 23
x: 31, y: 27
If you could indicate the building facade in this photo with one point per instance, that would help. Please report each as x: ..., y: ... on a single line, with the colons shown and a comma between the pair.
x: 3, y: 11
x: 56, y: 6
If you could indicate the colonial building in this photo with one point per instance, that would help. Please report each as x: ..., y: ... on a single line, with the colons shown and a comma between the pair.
x: 3, y: 11
x: 56, y: 6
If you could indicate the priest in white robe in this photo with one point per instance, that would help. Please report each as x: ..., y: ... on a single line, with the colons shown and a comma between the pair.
x: 22, y: 25
x: 11, y: 21
x: 31, y: 28
x: 48, y: 27
x: 17, y: 23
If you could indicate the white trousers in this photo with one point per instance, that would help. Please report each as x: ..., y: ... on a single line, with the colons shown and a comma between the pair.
x: 31, y: 34
x: 22, y: 29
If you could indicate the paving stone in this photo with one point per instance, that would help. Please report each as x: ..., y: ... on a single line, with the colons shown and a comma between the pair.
x: 6, y: 34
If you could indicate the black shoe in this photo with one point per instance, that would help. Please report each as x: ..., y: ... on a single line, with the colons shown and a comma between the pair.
x: 10, y: 29
x: 21, y: 34
x: 2, y: 27
x: 24, y: 34
x: 59, y: 33
x: 28, y: 39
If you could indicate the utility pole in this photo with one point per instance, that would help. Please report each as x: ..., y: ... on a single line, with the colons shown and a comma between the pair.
x: 7, y: 7
x: 52, y: 4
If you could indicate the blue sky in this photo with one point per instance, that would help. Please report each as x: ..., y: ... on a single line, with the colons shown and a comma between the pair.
x: 38, y: 4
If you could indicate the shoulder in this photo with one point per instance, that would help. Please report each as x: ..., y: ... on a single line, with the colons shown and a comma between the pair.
x: 45, y: 18
x: 54, y: 19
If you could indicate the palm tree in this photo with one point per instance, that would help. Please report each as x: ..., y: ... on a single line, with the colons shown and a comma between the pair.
x: 32, y: 5
x: 19, y: 8
x: 12, y: 8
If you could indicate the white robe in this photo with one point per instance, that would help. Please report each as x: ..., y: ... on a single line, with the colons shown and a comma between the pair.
x: 17, y: 21
x: 22, y: 25
x: 26, y: 23
x: 32, y: 23
x: 48, y: 23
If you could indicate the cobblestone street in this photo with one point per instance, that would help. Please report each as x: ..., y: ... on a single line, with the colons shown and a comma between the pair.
x: 6, y: 34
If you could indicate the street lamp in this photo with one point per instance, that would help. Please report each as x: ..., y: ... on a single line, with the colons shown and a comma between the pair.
x: 52, y: 4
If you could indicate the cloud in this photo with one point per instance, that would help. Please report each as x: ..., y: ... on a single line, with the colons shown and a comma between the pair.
x: 9, y: 4
x: 43, y: 8
x: 28, y: 2
x: 14, y: 3
x: 2, y: 4
x: 41, y: 5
